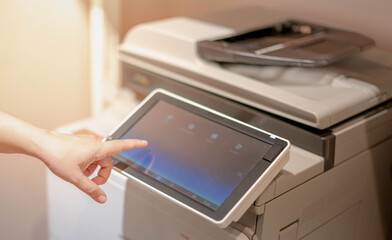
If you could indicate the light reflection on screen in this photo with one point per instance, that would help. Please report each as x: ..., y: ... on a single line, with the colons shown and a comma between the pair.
x: 198, y: 157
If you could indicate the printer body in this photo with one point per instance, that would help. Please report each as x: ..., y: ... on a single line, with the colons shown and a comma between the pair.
x: 337, y: 183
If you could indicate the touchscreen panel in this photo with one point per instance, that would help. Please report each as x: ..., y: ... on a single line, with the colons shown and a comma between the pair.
x: 193, y: 155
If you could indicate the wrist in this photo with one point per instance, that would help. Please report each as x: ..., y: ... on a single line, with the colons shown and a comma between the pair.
x: 41, y: 140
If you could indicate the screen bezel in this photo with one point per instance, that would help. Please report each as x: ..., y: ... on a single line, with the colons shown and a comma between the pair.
x: 242, y: 188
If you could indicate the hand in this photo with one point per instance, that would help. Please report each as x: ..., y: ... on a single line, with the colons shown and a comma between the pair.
x: 75, y: 157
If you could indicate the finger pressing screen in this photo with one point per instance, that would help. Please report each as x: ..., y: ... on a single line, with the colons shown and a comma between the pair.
x: 116, y: 146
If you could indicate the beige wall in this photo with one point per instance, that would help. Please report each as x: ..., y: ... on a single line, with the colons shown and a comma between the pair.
x: 44, y: 60
x: 138, y: 11
x: 373, y: 18
x: 44, y: 79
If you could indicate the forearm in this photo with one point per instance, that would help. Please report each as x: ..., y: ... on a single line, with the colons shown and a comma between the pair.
x: 17, y: 136
x: 71, y: 157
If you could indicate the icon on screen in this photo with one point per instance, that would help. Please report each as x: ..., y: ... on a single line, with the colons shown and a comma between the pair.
x: 214, y: 136
x: 191, y: 126
x: 169, y: 117
x: 238, y: 146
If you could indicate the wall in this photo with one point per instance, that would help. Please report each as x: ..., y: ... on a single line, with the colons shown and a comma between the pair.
x: 43, y: 59
x: 373, y: 18
x: 44, y: 79
x: 138, y: 11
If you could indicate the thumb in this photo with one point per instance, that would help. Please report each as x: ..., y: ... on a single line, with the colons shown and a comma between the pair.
x: 91, y: 188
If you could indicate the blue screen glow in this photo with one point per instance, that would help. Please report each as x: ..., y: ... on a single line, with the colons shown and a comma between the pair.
x: 200, y: 158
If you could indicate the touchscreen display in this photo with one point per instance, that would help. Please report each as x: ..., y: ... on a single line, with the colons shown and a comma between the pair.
x: 193, y: 155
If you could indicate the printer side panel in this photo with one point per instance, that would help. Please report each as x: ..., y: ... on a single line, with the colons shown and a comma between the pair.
x: 148, y: 215
x: 350, y: 201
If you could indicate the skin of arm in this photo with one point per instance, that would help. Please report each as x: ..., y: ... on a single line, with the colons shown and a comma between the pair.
x: 71, y: 157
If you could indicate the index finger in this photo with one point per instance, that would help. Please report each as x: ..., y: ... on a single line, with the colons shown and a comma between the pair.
x: 116, y: 146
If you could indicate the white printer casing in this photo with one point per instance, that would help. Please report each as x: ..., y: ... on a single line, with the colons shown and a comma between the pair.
x: 336, y: 185
x: 343, y: 90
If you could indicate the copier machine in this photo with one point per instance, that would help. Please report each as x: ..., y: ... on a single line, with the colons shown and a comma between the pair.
x: 337, y: 183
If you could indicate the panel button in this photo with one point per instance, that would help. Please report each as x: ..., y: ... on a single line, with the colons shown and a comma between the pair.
x: 272, y: 153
